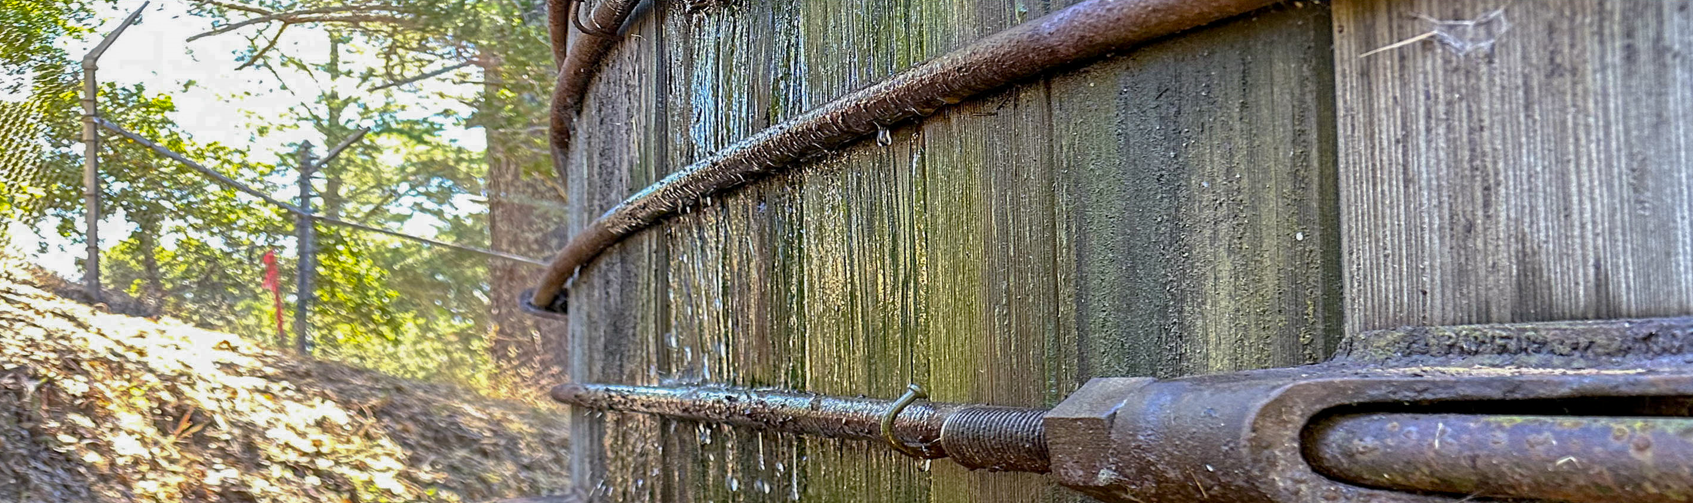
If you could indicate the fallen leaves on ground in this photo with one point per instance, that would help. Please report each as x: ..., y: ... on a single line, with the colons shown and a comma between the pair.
x: 105, y: 407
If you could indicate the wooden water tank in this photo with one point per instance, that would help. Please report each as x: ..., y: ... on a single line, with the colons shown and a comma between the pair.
x: 1234, y: 197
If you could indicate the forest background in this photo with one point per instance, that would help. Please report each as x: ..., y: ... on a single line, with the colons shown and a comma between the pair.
x: 454, y: 94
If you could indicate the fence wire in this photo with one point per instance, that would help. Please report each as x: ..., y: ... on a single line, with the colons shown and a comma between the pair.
x: 24, y: 175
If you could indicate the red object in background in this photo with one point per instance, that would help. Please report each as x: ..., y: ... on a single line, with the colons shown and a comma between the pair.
x: 274, y: 284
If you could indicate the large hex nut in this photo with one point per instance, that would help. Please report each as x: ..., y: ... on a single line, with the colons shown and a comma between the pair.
x: 1078, y: 430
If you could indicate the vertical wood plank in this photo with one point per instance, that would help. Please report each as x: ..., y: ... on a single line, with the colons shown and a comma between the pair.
x: 1544, y: 177
x: 1201, y: 200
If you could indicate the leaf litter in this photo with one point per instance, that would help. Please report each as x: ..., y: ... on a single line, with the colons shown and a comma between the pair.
x: 106, y: 407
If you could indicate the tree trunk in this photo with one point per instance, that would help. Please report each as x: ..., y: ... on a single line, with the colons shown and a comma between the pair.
x: 524, y: 217
x: 333, y: 132
x: 154, y: 295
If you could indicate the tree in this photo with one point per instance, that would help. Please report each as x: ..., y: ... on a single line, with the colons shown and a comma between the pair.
x: 209, y: 229
x: 32, y: 69
x: 193, y: 248
x: 507, y: 42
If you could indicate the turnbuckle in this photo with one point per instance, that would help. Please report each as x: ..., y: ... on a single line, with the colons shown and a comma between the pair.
x: 1592, y: 411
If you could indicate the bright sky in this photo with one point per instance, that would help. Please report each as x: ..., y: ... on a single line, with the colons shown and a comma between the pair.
x: 154, y: 52
x: 222, y: 103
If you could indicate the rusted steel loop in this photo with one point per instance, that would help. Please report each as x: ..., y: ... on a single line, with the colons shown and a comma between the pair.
x: 1608, y: 419
x: 912, y: 393
x: 1578, y: 459
x: 581, y: 61
x: 1084, y: 31
x: 558, y: 32
x: 576, y: 19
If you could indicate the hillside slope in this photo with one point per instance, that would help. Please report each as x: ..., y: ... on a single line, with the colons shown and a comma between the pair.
x: 103, y: 407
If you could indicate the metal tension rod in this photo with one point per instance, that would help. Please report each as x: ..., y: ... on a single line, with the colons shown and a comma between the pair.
x: 1400, y: 451
x: 976, y: 436
x: 1577, y: 412
x: 1084, y: 31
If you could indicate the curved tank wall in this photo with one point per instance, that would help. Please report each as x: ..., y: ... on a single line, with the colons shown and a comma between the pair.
x: 1195, y: 205
x: 1163, y: 212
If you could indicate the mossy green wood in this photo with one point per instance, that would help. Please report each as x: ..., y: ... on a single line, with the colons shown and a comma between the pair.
x: 1163, y: 212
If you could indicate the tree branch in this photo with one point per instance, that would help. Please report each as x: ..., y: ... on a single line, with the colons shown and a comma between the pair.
x: 265, y: 49
x: 409, y: 80
x: 236, y: 6
x: 318, y: 15
x: 226, y: 181
x: 388, y: 197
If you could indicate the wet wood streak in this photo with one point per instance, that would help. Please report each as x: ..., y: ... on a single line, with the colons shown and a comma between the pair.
x: 1546, y: 178
x: 1157, y: 213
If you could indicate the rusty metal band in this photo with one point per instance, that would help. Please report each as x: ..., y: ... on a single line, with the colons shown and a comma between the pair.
x: 558, y: 30
x: 1081, y: 32
x: 579, y: 64
x: 581, y: 61
x: 1558, y: 458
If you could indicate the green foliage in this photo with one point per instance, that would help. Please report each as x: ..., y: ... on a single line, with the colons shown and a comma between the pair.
x: 28, y: 29
x: 193, y: 248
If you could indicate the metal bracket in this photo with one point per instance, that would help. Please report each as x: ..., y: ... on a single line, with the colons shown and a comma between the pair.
x: 1587, y: 411
x: 1583, y: 411
x: 558, y: 310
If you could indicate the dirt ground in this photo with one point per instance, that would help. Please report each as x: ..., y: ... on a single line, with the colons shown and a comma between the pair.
x: 106, y: 407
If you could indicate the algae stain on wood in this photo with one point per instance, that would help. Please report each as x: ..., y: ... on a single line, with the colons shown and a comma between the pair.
x: 1003, y: 251
x: 1203, y: 228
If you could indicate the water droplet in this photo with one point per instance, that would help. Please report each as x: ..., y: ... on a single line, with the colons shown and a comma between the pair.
x: 1299, y: 236
x: 883, y: 136
x: 734, y: 484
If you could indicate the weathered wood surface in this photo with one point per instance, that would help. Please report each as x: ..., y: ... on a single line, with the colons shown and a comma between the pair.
x: 1164, y: 212
x: 1549, y: 177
